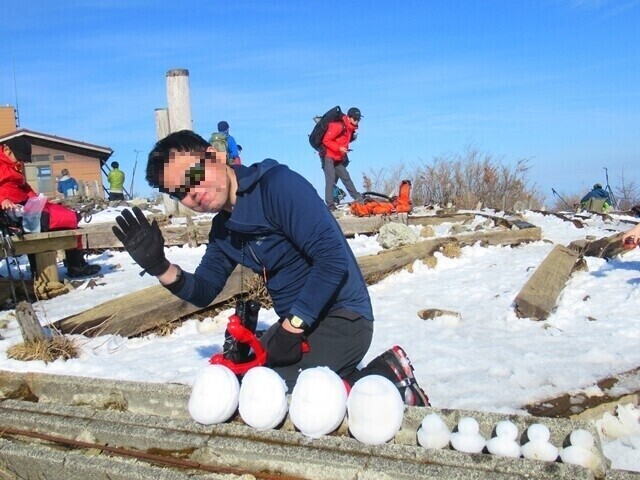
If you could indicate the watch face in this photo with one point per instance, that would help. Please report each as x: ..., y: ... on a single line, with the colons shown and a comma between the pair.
x: 296, y: 322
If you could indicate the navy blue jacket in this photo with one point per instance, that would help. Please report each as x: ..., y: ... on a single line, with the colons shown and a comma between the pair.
x: 281, y: 229
x: 596, y: 193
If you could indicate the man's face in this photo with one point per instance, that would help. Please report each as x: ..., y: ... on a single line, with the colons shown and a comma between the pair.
x: 354, y: 121
x: 203, y: 175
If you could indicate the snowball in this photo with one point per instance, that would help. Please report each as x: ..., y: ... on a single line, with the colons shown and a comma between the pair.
x: 263, y: 398
x: 214, y: 396
x: 538, y: 431
x: 433, y: 432
x: 507, y: 429
x: 375, y: 410
x: 318, y: 402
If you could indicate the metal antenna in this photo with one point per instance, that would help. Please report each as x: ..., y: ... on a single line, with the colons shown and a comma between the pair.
x: 15, y: 88
x: 135, y: 164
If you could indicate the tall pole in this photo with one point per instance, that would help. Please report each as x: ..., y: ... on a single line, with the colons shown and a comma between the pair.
x: 133, y: 175
x: 179, y: 106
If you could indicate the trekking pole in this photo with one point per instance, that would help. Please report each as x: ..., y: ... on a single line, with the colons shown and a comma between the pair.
x: 5, y: 250
x: 565, y: 202
x: 614, y: 201
x: 12, y: 250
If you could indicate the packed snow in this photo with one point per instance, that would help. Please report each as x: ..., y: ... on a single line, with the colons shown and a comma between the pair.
x: 486, y: 359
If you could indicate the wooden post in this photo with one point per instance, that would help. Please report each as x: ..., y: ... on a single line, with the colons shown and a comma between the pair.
x: 539, y: 295
x: 30, y: 326
x: 179, y: 111
x: 47, y: 263
x: 162, y: 122
x: 178, y: 100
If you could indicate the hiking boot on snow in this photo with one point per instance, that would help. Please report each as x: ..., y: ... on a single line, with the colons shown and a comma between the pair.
x: 83, y: 271
x: 395, y: 365
x: 77, y: 266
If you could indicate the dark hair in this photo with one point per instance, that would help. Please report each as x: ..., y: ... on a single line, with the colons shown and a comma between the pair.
x: 21, y: 148
x: 239, y: 148
x: 223, y: 126
x: 115, y: 165
x: 182, y: 141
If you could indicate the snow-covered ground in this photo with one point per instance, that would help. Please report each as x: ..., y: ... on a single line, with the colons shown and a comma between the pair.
x: 488, y: 359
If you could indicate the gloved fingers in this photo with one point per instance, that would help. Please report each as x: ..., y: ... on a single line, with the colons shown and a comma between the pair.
x: 126, y: 221
x: 141, y: 219
x: 119, y: 234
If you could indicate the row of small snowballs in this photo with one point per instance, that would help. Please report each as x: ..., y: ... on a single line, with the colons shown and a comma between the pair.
x: 434, y: 434
x: 318, y: 402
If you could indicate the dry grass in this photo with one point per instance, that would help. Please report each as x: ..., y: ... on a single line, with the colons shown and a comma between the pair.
x: 47, y: 350
x: 430, y: 261
x: 451, y: 250
x: 461, y: 179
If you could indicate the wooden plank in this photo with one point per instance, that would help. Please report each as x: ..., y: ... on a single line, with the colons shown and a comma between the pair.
x: 539, y: 295
x: 617, y: 389
x: 44, y: 242
x: 153, y: 306
x: 438, y: 220
x: 576, y: 222
x: 606, y: 247
x: 100, y: 236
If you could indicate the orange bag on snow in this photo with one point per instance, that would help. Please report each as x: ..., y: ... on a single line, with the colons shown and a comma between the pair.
x: 403, y: 202
x: 384, y: 206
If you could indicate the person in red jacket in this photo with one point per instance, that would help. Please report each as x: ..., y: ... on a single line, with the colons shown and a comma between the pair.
x: 14, y: 191
x: 336, y: 141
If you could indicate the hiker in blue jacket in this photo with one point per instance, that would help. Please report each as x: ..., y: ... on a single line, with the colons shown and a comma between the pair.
x: 271, y: 220
x: 597, y: 199
x: 67, y: 185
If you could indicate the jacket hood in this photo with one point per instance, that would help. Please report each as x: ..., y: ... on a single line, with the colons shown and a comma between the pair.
x: 248, y: 177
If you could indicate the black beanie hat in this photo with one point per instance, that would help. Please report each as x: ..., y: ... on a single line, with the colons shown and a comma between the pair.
x: 20, y: 147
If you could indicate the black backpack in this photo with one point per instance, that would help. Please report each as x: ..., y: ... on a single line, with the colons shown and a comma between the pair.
x: 320, y: 128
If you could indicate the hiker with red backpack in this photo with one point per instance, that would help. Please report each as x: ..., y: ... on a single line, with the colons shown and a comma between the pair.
x: 335, y: 142
x: 270, y: 220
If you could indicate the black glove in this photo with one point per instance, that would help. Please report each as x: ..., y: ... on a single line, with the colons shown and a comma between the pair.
x: 142, y: 240
x: 284, y: 348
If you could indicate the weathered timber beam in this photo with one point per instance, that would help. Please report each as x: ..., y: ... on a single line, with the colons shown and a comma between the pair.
x: 576, y: 223
x: 539, y: 295
x: 146, y: 309
x: 606, y: 247
x: 436, y: 220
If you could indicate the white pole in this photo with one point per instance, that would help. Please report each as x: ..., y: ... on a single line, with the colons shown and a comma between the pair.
x: 178, y: 100
x: 179, y: 103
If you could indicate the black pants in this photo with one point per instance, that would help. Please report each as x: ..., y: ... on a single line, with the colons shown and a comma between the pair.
x: 116, y: 196
x: 335, y: 341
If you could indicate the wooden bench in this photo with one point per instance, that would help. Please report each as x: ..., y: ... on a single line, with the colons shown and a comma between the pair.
x: 45, y: 247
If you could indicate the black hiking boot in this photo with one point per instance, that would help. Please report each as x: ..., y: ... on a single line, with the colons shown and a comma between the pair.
x: 83, y: 271
x: 396, y: 366
x: 77, y: 266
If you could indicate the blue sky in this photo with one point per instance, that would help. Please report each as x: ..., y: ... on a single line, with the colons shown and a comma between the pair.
x: 555, y: 81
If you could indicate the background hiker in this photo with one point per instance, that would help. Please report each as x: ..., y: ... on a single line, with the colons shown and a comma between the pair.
x: 116, y: 182
x: 238, y: 160
x: 597, y: 200
x: 336, y: 143
x: 67, y: 185
x: 222, y: 141
x: 271, y: 220
x: 14, y: 191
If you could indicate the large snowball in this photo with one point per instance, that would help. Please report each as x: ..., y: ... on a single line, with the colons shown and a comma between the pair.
x: 214, y: 396
x: 318, y: 402
x: 263, y: 398
x: 375, y: 410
